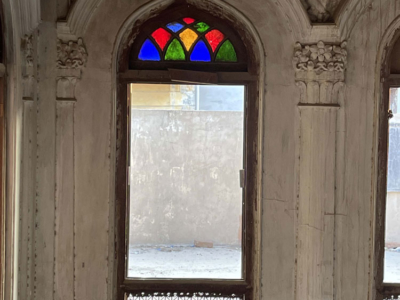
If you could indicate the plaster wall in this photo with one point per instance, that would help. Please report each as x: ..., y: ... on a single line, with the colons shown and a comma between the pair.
x: 68, y: 174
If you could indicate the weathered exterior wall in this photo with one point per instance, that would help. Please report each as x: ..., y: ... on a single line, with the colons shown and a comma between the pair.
x: 185, y: 177
x: 392, y: 238
x: 179, y: 97
x: 67, y: 231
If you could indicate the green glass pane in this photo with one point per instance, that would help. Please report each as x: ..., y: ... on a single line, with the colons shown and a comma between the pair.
x: 175, y: 51
x: 201, y: 27
x: 226, y: 52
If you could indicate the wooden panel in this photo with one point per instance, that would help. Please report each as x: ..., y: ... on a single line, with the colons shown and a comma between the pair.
x: 27, y: 199
x: 316, y: 203
x: 65, y: 198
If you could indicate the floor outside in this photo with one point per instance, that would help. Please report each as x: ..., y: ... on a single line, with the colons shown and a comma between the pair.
x: 184, y: 261
x: 392, y: 266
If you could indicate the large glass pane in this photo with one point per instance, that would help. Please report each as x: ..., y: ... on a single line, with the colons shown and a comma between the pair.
x: 185, y: 218
x: 392, y: 235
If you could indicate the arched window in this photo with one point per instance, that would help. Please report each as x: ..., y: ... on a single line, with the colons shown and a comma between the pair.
x: 187, y: 167
x: 387, y: 238
x: 187, y: 40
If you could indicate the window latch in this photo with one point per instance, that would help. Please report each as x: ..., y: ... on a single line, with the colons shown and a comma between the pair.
x: 241, y: 178
x: 390, y: 114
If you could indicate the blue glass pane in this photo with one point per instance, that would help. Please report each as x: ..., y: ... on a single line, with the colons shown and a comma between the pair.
x: 200, y: 52
x: 175, y: 26
x: 149, y: 51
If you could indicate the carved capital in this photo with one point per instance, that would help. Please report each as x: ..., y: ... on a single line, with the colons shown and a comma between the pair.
x: 320, y: 61
x: 71, y: 58
x: 71, y: 54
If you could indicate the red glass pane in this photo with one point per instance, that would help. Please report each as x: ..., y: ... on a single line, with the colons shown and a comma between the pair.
x: 214, y: 38
x: 188, y: 20
x: 161, y: 36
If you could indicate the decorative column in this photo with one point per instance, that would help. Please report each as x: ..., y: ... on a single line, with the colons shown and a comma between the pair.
x: 28, y: 167
x: 71, y: 59
x: 320, y: 76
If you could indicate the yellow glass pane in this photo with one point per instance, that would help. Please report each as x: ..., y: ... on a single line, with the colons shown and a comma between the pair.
x: 188, y: 37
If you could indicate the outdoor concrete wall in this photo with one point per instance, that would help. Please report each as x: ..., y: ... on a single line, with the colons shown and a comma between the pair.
x: 392, y: 219
x: 162, y: 96
x: 185, y: 177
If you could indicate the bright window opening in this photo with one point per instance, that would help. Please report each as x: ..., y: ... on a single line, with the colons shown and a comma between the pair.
x: 392, y: 234
x: 186, y: 200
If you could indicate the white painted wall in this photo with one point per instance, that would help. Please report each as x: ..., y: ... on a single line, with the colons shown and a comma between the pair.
x: 67, y: 158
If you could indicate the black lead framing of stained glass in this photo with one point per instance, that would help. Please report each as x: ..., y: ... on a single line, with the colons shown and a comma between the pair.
x: 167, y: 42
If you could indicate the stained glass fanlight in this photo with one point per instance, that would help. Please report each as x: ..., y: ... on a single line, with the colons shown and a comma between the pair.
x: 200, y: 52
x: 188, y: 39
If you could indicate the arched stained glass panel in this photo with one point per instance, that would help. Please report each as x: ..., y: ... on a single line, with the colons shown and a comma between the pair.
x: 175, y: 51
x: 201, y: 27
x: 200, y: 52
x: 188, y: 39
x: 214, y: 38
x: 149, y: 51
x: 175, y: 26
x: 188, y: 20
x: 227, y: 52
x: 161, y: 36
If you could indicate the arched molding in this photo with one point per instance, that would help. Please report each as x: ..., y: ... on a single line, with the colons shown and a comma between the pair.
x: 30, y: 15
x: 380, y: 141
x: 349, y: 15
x: 80, y: 15
x: 292, y: 11
x: 296, y: 17
x: 122, y: 45
x: 389, y: 38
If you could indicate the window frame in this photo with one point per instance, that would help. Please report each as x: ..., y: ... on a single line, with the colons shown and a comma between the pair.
x: 383, y: 290
x: 250, y: 198
x: 247, y: 72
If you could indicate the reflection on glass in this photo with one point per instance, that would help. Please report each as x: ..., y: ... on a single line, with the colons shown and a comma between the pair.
x: 185, y: 218
x: 392, y: 234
